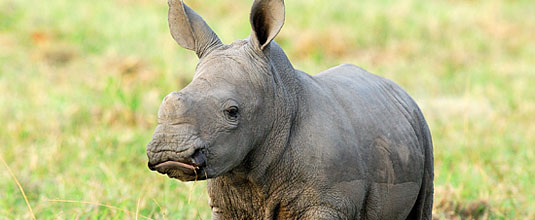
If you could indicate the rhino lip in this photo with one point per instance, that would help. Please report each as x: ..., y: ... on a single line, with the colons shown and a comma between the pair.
x: 172, y: 167
x: 175, y: 165
x: 194, y: 167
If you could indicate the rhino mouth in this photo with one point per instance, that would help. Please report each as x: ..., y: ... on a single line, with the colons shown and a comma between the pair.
x: 175, y: 165
x: 192, y: 170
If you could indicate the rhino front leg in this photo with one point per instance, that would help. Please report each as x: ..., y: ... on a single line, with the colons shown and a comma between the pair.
x: 217, y: 214
x: 323, y: 213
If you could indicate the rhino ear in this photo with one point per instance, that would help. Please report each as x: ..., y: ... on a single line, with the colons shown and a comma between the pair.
x: 189, y: 30
x: 267, y: 18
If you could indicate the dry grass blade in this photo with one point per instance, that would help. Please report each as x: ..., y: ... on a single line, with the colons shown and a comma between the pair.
x: 140, y: 198
x: 20, y: 187
x: 160, y: 207
x: 137, y: 207
x: 97, y: 204
x: 192, y: 187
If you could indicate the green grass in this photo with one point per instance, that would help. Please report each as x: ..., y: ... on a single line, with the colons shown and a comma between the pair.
x: 81, y: 81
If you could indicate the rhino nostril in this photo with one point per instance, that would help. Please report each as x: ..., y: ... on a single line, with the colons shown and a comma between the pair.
x: 198, y: 158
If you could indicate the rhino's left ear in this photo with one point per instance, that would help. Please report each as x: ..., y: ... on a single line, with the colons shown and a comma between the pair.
x: 189, y: 30
x: 267, y: 18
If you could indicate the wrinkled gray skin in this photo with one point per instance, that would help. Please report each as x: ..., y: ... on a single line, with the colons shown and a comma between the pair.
x: 277, y: 143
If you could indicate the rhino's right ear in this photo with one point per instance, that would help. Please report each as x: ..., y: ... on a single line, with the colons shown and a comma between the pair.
x: 267, y: 18
x: 189, y: 30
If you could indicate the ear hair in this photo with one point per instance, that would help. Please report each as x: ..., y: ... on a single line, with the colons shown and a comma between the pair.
x: 267, y: 19
x: 189, y: 30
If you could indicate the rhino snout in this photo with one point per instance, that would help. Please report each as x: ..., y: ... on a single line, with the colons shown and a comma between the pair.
x: 196, y: 159
x: 185, y: 161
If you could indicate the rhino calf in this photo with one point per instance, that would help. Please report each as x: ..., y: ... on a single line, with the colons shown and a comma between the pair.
x: 276, y: 143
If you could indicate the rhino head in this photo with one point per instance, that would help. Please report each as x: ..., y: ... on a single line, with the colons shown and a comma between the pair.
x: 231, y: 106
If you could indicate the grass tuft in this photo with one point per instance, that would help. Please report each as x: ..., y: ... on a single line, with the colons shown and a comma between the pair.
x: 18, y: 185
x: 136, y: 214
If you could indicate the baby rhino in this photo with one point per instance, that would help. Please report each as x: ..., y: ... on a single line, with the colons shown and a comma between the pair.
x: 276, y: 143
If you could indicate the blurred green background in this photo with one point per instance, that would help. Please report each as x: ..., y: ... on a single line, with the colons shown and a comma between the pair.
x: 81, y: 82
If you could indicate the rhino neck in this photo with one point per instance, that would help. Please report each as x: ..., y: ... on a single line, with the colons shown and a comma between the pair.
x: 265, y: 176
x: 270, y: 154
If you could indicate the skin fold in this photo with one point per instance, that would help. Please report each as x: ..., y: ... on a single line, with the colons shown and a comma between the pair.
x: 276, y: 143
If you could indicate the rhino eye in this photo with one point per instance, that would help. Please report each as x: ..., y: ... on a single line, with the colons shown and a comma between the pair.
x: 232, y: 113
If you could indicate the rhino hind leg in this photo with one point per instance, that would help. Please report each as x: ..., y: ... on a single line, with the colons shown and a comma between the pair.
x: 423, y: 207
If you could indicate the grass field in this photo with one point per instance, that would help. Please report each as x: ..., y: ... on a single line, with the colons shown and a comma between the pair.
x: 81, y: 82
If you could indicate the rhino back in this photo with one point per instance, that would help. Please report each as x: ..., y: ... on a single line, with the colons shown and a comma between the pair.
x: 361, y: 140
